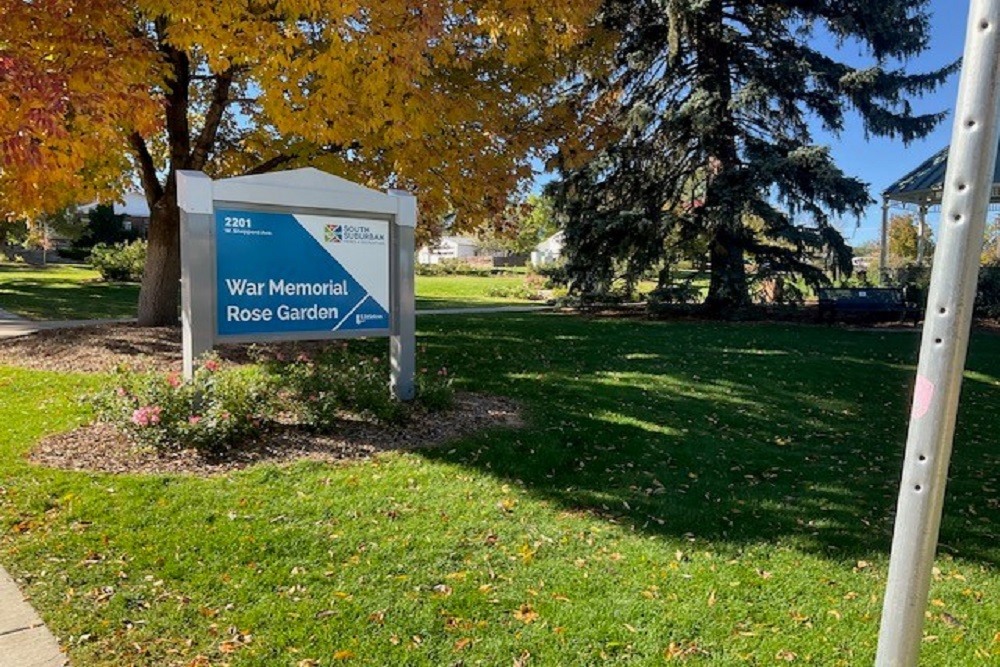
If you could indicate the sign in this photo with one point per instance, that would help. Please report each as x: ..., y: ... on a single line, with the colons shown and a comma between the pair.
x: 279, y: 273
x: 296, y: 255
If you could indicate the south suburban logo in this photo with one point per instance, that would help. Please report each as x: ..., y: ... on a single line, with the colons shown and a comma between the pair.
x: 358, y: 233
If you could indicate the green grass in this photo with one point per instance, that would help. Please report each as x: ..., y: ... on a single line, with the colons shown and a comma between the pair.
x: 466, y: 291
x: 60, y: 292
x: 721, y: 493
x: 64, y: 292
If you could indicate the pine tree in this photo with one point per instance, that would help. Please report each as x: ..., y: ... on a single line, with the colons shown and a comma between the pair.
x: 711, y: 102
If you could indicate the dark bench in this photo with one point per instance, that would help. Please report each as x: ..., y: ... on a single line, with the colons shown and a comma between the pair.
x: 865, y: 303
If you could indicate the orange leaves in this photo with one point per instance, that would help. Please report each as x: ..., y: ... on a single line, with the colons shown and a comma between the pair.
x: 73, y: 78
x: 440, y: 97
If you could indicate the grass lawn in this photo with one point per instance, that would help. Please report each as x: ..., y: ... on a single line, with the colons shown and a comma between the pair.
x: 64, y: 292
x: 710, y: 494
x: 61, y: 292
x: 467, y: 291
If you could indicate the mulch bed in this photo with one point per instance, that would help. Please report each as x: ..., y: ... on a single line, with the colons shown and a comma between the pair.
x: 102, y: 348
x: 100, y: 447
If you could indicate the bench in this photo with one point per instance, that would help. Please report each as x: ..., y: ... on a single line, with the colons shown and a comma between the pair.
x: 865, y: 302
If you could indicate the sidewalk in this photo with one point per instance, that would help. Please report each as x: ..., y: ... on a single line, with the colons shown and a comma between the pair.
x: 24, y: 639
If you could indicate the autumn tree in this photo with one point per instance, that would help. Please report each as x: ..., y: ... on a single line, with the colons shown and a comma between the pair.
x: 447, y: 98
x: 904, y: 240
x: 520, y: 226
x: 991, y: 244
x: 714, y: 104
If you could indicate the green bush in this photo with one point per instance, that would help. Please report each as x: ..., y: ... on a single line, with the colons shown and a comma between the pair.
x: 337, y: 383
x: 213, y: 411
x: 555, y: 274
x: 74, y: 253
x: 452, y: 267
x: 988, y: 292
x: 512, y: 292
x: 120, y: 262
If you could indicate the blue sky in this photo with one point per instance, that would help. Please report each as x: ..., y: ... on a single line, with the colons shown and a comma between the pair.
x: 880, y: 162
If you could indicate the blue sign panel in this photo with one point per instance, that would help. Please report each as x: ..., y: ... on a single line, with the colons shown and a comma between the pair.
x: 283, y: 273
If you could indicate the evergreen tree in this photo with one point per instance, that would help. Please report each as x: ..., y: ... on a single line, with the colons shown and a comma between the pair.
x: 711, y: 103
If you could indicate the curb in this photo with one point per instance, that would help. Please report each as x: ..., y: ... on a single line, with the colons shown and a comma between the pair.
x: 24, y: 639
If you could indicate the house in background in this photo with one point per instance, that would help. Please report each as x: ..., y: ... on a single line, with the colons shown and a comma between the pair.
x: 135, y: 209
x: 549, y: 251
x: 449, y: 247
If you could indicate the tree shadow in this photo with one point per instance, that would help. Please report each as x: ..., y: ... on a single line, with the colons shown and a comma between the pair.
x: 739, y: 434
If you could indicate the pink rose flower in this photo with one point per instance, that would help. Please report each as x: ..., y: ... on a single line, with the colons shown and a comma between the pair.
x: 211, y: 365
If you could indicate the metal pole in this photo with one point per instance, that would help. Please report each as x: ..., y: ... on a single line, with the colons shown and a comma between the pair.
x: 403, y: 341
x: 883, y: 257
x: 945, y: 340
x: 194, y: 198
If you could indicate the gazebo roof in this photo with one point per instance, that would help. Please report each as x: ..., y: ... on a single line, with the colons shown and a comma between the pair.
x: 925, y: 184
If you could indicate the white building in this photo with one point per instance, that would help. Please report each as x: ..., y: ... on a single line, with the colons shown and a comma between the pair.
x: 449, y: 247
x: 133, y: 206
x: 549, y: 251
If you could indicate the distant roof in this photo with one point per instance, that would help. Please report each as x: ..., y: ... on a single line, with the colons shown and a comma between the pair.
x: 925, y: 184
x: 133, y: 205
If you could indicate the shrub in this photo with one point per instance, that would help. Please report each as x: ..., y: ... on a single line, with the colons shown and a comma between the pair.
x: 120, y: 262
x: 214, y: 410
x: 988, y: 292
x: 555, y: 274
x: 512, y: 292
x: 74, y: 253
x: 336, y: 383
x: 452, y: 267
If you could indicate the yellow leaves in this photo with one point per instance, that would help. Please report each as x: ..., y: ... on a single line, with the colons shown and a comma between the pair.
x: 681, y: 651
x: 343, y: 655
x: 526, y: 614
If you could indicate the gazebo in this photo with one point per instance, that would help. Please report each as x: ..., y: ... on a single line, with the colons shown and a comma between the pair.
x: 921, y: 188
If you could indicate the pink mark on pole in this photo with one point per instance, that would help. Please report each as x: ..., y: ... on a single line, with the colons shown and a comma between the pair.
x: 922, y: 396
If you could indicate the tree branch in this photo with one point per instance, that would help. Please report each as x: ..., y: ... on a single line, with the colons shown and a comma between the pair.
x: 269, y: 165
x: 217, y: 107
x: 177, y: 99
x: 147, y: 169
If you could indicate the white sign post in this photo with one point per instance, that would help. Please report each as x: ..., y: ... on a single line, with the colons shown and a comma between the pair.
x: 296, y: 255
x: 945, y: 340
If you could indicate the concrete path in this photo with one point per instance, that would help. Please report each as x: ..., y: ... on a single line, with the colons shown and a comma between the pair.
x: 24, y: 639
x: 12, y: 328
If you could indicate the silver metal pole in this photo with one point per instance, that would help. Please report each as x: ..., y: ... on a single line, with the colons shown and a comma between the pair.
x: 945, y: 340
x: 883, y: 256
x: 403, y: 340
x: 194, y: 198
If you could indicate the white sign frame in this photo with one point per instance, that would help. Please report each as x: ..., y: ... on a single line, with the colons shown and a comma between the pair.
x: 306, y: 192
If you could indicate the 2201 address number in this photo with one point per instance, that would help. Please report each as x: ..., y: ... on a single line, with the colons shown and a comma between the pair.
x: 237, y: 223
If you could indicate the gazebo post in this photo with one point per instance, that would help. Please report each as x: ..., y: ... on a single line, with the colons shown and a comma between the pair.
x: 921, y: 233
x: 883, y: 269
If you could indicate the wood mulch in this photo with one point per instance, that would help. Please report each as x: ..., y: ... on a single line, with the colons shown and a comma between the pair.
x: 104, y: 347
x: 100, y: 447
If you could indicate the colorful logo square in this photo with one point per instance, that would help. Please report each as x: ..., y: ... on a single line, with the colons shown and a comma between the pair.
x: 334, y: 234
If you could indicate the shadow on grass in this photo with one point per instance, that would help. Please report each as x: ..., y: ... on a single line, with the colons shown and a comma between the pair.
x: 736, y: 434
x: 54, y: 297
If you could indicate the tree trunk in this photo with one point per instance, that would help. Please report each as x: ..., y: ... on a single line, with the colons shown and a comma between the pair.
x: 727, y: 289
x: 159, y: 296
